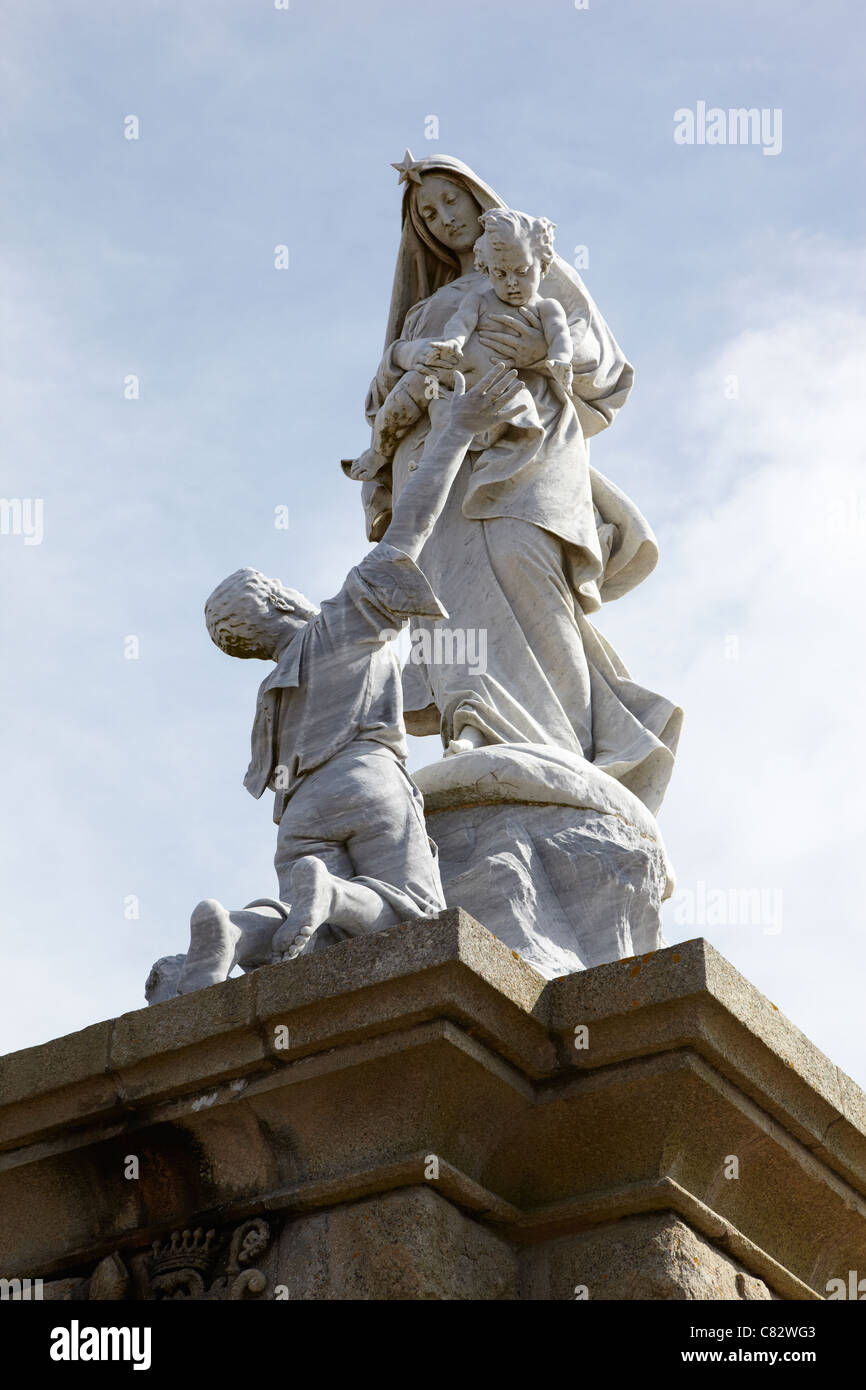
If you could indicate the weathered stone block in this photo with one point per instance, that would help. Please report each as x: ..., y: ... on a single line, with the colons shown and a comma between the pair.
x: 655, y: 1257
x: 411, y: 1244
x: 434, y: 1104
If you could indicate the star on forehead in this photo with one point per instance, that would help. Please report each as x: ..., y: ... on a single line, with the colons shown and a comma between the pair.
x: 408, y: 169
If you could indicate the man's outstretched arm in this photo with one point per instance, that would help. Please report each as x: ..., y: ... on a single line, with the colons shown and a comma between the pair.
x: 491, y: 401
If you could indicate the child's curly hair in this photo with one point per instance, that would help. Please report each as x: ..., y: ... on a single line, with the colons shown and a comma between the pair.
x: 503, y: 227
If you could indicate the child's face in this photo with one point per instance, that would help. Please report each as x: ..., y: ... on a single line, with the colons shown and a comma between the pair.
x: 514, y: 273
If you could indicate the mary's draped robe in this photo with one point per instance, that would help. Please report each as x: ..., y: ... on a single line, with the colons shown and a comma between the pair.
x: 525, y: 558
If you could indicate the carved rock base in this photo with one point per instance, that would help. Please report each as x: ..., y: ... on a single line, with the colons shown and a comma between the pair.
x: 558, y: 859
x: 565, y: 888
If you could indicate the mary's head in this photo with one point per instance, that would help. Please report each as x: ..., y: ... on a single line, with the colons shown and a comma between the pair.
x: 445, y: 215
x: 442, y: 205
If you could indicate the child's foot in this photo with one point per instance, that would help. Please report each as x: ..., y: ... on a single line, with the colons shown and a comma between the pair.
x: 312, y: 903
x: 213, y: 939
x: 367, y: 466
x: 561, y: 372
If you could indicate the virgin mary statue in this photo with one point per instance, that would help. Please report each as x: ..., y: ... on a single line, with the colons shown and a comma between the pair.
x: 521, y: 562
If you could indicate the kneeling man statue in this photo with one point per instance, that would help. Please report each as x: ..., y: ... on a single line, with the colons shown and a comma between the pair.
x: 353, y: 855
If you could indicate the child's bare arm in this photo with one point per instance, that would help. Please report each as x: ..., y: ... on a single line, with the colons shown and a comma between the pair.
x: 560, y: 348
x: 555, y: 324
x: 446, y: 351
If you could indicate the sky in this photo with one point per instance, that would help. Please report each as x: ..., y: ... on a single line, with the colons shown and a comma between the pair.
x: 733, y: 279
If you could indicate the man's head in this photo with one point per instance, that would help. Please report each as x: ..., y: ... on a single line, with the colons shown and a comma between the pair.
x: 249, y: 615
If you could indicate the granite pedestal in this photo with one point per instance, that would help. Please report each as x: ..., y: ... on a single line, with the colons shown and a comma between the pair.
x: 420, y: 1115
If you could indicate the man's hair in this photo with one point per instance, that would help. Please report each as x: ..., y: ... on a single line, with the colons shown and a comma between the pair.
x: 230, y: 611
x: 503, y: 227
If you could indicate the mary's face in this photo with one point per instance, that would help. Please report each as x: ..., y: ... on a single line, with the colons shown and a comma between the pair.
x: 449, y: 212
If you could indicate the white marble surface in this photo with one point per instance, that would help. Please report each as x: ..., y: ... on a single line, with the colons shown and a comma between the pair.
x: 557, y: 858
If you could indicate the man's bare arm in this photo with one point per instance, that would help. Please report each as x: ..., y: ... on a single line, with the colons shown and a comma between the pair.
x: 490, y: 401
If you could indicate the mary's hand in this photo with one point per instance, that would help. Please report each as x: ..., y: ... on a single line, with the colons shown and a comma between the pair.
x: 518, y: 343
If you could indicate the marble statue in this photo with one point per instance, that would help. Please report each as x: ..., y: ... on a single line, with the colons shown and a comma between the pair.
x: 353, y: 852
x: 526, y: 554
x: 540, y: 817
x: 531, y: 542
x: 514, y: 251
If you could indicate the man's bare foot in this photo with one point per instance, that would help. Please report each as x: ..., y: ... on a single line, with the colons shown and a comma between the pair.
x: 163, y: 980
x: 213, y: 939
x: 312, y: 903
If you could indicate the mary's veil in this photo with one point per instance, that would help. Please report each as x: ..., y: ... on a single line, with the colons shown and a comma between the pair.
x: 424, y: 265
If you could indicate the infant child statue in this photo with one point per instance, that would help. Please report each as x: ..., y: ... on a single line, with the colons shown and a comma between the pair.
x: 515, y: 252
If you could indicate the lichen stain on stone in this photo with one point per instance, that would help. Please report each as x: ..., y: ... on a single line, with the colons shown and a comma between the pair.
x: 635, y: 970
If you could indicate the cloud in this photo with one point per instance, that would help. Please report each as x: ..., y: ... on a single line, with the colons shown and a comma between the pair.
x: 754, y: 622
x: 156, y: 257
